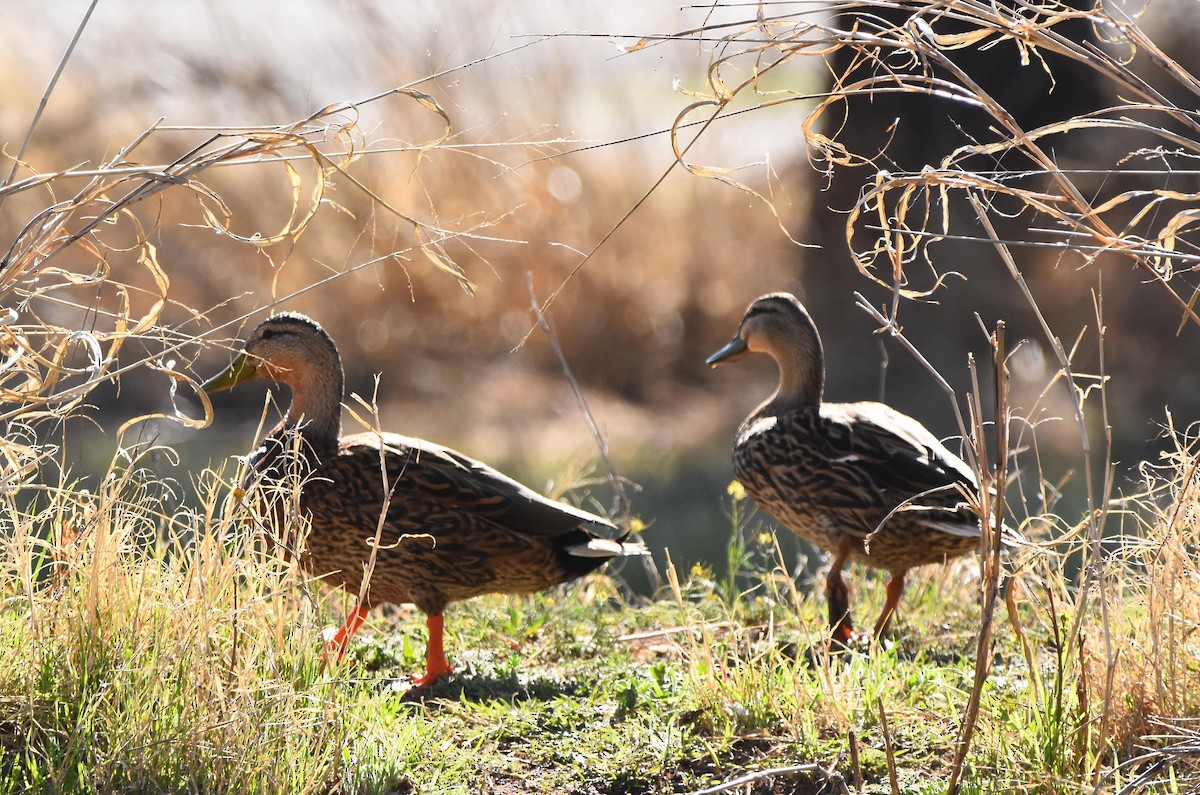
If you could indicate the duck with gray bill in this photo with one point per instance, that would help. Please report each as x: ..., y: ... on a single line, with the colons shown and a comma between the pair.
x: 451, y: 527
x: 861, y: 481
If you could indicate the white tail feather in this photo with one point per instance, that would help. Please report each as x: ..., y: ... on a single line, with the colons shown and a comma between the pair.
x: 606, y: 548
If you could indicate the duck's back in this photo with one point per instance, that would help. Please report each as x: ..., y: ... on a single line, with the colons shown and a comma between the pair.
x: 452, y: 527
x: 842, y: 471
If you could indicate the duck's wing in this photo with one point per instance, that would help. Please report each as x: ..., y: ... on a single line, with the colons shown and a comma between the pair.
x: 889, y: 460
x: 900, y: 451
x: 420, y: 469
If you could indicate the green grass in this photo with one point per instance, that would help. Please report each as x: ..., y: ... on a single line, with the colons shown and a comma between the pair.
x: 146, y: 655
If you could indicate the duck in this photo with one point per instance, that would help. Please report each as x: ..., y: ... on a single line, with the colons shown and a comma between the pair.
x: 861, y: 481
x: 449, y: 527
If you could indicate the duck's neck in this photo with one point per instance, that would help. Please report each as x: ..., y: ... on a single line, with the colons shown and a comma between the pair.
x: 801, y: 378
x: 315, y: 412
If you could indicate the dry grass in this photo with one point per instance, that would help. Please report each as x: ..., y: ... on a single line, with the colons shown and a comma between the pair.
x: 1010, y: 179
x: 156, y: 651
x: 155, y: 646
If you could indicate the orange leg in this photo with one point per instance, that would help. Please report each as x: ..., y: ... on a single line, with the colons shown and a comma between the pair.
x: 354, y: 620
x: 838, y: 597
x: 895, y: 587
x: 435, y: 653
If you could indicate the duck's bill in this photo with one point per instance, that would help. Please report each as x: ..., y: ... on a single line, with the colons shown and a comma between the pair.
x: 735, y: 350
x: 241, y: 370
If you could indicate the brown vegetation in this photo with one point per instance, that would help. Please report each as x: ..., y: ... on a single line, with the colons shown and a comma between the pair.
x: 420, y: 224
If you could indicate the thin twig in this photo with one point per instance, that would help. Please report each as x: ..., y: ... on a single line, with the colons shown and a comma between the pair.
x: 37, y: 116
x: 621, y: 221
x: 992, y: 526
x: 1095, y: 551
x: 615, y: 480
x: 694, y: 628
x: 856, y: 763
x: 893, y: 330
x: 828, y: 776
x: 1143, y: 248
x: 893, y: 779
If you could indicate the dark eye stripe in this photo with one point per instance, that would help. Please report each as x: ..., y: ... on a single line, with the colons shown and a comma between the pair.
x: 300, y: 328
x: 761, y: 309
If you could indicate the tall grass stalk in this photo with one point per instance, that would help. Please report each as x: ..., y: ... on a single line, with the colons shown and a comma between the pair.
x: 155, y: 649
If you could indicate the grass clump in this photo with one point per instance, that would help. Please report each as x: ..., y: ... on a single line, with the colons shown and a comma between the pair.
x: 141, y: 662
x: 153, y: 649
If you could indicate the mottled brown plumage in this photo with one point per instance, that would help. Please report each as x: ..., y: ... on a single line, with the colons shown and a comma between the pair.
x: 452, y: 527
x: 859, y: 480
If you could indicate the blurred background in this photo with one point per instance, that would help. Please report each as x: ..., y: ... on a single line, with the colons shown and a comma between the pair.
x: 558, y: 120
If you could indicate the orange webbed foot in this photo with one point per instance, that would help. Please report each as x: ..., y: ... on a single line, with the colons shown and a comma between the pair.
x: 340, y: 641
x: 428, y: 678
x: 435, y: 659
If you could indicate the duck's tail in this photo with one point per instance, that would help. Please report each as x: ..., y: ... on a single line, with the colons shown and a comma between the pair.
x: 581, y: 552
x: 606, y: 548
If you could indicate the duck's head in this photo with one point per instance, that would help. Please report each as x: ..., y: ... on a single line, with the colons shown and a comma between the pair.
x: 289, y: 348
x: 777, y: 324
x: 293, y: 350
